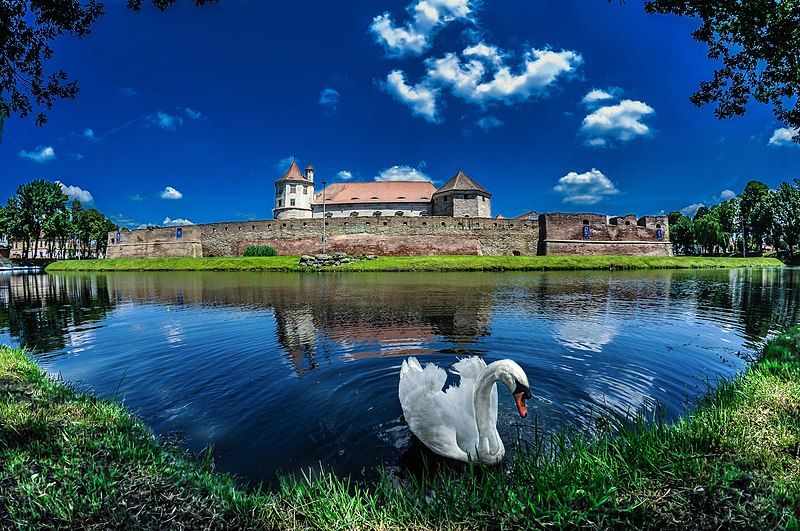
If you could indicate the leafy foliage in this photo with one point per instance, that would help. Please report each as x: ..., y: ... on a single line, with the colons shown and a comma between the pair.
x: 38, y: 214
x: 28, y: 29
x: 758, y: 44
x: 260, y: 250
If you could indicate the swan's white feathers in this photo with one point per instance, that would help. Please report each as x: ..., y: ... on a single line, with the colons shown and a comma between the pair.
x: 443, y: 420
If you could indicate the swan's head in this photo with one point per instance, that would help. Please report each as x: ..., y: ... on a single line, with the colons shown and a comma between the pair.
x: 515, y: 379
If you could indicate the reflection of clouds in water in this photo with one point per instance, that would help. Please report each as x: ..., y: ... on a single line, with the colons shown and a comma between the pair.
x: 585, y: 334
x: 80, y: 340
x: 626, y: 393
x: 173, y: 333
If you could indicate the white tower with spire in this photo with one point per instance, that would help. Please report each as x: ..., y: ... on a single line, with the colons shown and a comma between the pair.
x: 294, y: 193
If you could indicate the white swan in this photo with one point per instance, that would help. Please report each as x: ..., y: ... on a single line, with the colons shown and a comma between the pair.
x: 461, y: 422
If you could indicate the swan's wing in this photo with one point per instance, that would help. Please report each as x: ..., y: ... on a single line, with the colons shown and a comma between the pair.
x: 470, y: 369
x: 432, y: 415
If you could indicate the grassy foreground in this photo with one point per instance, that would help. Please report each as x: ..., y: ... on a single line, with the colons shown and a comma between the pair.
x: 72, y: 460
x: 415, y: 263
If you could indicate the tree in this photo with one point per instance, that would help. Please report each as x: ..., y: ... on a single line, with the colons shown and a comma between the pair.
x: 727, y: 213
x: 39, y: 200
x: 758, y: 43
x: 755, y: 210
x: 786, y: 207
x: 709, y: 234
x: 700, y: 212
x: 27, y: 30
x: 682, y: 235
x: 673, y: 217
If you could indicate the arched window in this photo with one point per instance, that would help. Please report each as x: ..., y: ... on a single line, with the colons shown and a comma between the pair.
x: 353, y: 214
x: 627, y: 222
x: 376, y: 214
x: 398, y: 213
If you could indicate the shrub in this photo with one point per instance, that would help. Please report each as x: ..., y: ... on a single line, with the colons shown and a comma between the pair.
x: 260, y: 250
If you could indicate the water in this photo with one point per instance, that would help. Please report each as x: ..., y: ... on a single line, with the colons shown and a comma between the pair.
x: 281, y: 372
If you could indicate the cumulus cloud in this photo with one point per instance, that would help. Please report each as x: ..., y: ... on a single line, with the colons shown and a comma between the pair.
x: 484, y: 76
x: 727, y: 194
x: 426, y: 17
x: 329, y: 98
x: 88, y: 133
x: 345, y: 175
x: 595, y: 96
x: 401, y: 173
x: 193, y: 114
x: 42, y: 154
x: 691, y: 210
x: 616, y: 123
x: 75, y: 192
x: 176, y: 222
x: 170, y: 193
x: 585, y: 188
x: 489, y: 122
x: 784, y: 136
x: 166, y: 121
x: 420, y: 97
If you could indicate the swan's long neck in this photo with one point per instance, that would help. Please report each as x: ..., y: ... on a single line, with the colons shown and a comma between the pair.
x: 490, y: 446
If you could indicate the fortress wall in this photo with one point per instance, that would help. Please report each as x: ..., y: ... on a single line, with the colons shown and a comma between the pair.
x: 607, y: 248
x: 623, y: 235
x: 422, y: 235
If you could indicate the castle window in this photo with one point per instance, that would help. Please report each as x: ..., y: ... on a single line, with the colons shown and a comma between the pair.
x: 627, y: 222
x: 291, y: 202
x: 659, y: 232
x: 470, y: 196
x: 586, y: 231
x: 423, y: 213
x: 280, y: 203
x: 353, y: 214
x: 179, y: 233
x: 424, y: 223
x: 483, y: 199
x: 305, y: 190
x: 443, y: 224
x: 253, y: 227
x: 398, y: 213
x: 292, y: 188
x: 376, y: 214
x: 328, y: 215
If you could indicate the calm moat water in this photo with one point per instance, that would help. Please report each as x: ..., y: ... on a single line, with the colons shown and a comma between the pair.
x: 281, y: 372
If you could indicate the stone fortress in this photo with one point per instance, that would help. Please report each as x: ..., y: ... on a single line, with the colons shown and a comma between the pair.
x: 398, y: 218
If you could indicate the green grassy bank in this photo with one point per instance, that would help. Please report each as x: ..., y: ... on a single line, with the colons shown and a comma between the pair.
x: 415, y: 263
x: 72, y: 460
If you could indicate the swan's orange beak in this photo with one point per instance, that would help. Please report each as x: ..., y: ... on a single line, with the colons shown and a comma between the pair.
x: 519, y: 398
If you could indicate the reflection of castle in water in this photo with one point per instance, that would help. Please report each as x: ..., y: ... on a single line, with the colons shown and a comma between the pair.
x: 404, y: 314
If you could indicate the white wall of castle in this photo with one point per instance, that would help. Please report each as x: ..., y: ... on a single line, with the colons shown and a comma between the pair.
x: 293, y: 199
x: 366, y: 210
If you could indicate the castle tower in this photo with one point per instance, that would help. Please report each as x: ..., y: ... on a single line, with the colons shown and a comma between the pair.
x: 294, y: 193
x: 460, y: 197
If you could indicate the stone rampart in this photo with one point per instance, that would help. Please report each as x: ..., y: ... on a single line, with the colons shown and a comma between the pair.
x: 386, y: 236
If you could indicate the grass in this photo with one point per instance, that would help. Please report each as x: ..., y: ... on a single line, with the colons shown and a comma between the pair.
x: 415, y: 263
x: 68, y: 459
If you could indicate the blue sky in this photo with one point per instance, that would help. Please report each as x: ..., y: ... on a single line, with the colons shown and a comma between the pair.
x: 575, y: 105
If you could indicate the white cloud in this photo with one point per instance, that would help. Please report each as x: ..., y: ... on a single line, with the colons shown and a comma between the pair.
x: 401, y: 173
x: 420, y: 98
x: 128, y: 92
x: 74, y: 192
x: 620, y: 122
x: 283, y: 163
x: 427, y: 17
x: 585, y: 188
x: 76, y: 156
x: 166, y: 121
x: 176, y: 222
x: 472, y: 81
x: 135, y: 197
x: 727, y: 194
x: 170, y: 193
x: 194, y: 115
x: 42, y: 154
x: 329, y: 97
x: 691, y: 210
x: 489, y: 122
x: 345, y: 175
x: 596, y: 96
x: 784, y: 136
x: 88, y: 133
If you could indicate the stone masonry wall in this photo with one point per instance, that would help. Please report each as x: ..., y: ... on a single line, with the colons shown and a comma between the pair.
x: 563, y: 233
x: 417, y: 236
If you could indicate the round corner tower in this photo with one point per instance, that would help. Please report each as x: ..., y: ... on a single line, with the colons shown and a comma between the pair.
x: 294, y: 193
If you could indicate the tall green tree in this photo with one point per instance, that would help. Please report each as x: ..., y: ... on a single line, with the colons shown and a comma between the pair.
x: 709, y: 234
x: 757, y: 46
x: 682, y: 235
x: 39, y: 200
x: 756, y: 211
x: 786, y: 207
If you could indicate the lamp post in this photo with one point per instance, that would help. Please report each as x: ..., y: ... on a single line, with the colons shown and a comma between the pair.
x: 324, y: 217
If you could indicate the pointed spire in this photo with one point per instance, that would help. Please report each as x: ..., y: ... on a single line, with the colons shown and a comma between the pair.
x: 293, y: 173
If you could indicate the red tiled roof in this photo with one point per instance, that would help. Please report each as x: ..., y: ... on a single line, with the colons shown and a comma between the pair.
x: 293, y: 174
x: 377, y: 192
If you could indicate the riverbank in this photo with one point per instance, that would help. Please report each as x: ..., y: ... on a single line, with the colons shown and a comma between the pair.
x: 416, y: 263
x: 68, y: 459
